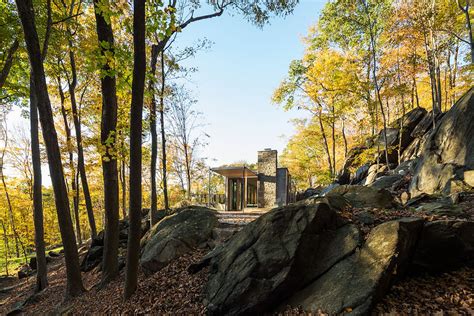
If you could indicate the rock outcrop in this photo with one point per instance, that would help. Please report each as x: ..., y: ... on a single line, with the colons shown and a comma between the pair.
x: 448, y: 151
x: 305, y: 255
x: 279, y: 252
x: 357, y: 282
x: 175, y: 235
x: 444, y: 245
x: 362, y: 196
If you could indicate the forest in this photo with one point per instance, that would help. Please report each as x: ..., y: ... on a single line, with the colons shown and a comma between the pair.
x: 366, y: 65
x: 114, y: 136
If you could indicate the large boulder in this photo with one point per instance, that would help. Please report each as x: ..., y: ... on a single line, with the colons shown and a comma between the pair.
x: 92, y: 258
x: 175, y: 235
x: 356, y: 283
x: 374, y: 172
x: 362, y: 196
x: 399, y: 133
x: 276, y: 255
x: 444, y: 245
x: 360, y: 174
x: 386, y: 182
x: 449, y: 150
x: 425, y: 124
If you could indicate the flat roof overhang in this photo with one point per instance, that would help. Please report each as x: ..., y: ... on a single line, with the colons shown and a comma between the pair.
x: 235, y: 172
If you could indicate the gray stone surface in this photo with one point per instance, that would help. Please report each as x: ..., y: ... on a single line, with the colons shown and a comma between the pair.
x: 373, y: 173
x: 359, y: 281
x: 360, y: 174
x: 449, y: 149
x: 362, y: 196
x: 444, y: 245
x: 275, y: 255
x: 175, y: 235
x: 386, y: 182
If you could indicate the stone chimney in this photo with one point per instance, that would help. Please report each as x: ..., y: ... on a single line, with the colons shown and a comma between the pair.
x: 267, y: 174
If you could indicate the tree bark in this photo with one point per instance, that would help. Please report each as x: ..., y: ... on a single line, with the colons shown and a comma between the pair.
x: 136, y: 109
x: 323, y: 133
x: 73, y: 274
x: 333, y: 137
x: 7, y: 247
x: 41, y: 267
x: 154, y: 136
x: 80, y: 150
x: 109, y: 159
x: 344, y: 137
x: 75, y: 200
x: 163, y: 134
x: 123, y: 181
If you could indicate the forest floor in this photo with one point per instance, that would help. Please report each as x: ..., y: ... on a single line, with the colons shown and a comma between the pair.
x: 174, y: 291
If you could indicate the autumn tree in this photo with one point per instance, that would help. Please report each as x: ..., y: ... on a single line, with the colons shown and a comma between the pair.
x: 74, y: 281
x: 136, y: 109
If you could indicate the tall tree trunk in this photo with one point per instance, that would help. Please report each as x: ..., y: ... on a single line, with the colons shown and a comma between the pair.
x: 344, y: 137
x: 333, y: 137
x: 136, y: 109
x: 164, y: 165
x: 72, y: 168
x: 154, y: 136
x: 73, y: 274
x: 187, y: 164
x: 326, y: 146
x: 108, y: 138
x: 41, y: 267
x: 377, y: 87
x: 6, y: 245
x: 402, y: 94
x: 123, y: 180
x: 80, y: 150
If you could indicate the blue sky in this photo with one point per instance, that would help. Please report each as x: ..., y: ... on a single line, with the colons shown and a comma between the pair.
x: 237, y: 76
x: 236, y: 79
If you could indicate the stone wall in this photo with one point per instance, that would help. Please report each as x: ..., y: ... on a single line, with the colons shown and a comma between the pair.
x: 267, y: 174
x: 282, y: 187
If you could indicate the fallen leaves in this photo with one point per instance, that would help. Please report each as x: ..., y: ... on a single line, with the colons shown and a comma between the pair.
x: 169, y: 291
x: 449, y: 293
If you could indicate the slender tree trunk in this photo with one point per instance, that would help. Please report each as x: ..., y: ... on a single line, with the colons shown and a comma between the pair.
x: 371, y: 110
x: 402, y: 94
x: 73, y: 274
x: 108, y: 138
x: 164, y: 164
x: 123, y: 181
x: 72, y: 168
x: 7, y: 246
x: 333, y: 137
x: 136, y: 109
x: 41, y: 267
x: 154, y: 136
x: 454, y: 75
x: 187, y: 164
x: 344, y: 137
x: 326, y: 146
x: 80, y: 150
x: 377, y: 89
